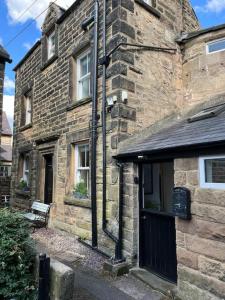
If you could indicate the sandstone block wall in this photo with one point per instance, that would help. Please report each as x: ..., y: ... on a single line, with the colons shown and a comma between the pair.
x: 201, y: 241
x: 203, y: 74
x: 153, y: 81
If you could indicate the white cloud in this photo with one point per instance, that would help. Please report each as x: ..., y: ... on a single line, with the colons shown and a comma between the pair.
x: 27, y: 46
x: 17, y: 8
x: 1, y: 41
x: 215, y: 6
x: 8, y: 107
x: 9, y: 84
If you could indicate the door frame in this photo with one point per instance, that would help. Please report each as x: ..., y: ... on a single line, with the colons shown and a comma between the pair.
x: 46, y: 156
x: 43, y: 150
x: 140, y: 197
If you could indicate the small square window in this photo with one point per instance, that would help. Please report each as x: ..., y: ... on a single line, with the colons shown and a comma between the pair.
x: 82, y: 168
x: 215, y: 46
x: 212, y: 172
x: 84, y: 75
x: 51, y: 45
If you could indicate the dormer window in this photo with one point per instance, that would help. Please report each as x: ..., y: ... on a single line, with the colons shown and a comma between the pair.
x: 51, y: 45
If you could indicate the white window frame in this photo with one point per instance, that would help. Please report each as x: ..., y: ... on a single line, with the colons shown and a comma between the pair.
x: 202, y: 175
x: 28, y: 109
x: 212, y: 42
x: 79, y: 78
x: 50, y: 45
x: 26, y: 172
x: 77, y: 168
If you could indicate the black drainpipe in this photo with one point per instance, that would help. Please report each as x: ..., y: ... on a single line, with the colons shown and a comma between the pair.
x: 117, y: 240
x: 94, y: 129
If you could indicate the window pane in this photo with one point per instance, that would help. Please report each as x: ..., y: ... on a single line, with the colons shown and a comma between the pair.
x: 215, y: 170
x: 81, y: 156
x: 83, y: 66
x: 89, y: 63
x: 84, y: 177
x: 85, y: 88
x: 87, y: 156
x: 216, y: 46
x: 51, y: 45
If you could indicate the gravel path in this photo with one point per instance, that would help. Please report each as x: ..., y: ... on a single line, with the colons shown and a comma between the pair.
x: 65, y: 246
x: 91, y: 283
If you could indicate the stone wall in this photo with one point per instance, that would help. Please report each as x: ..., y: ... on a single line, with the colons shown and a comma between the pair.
x: 58, y: 120
x: 201, y: 241
x: 203, y: 74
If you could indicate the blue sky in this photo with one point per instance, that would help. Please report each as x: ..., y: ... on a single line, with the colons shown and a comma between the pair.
x: 14, y: 16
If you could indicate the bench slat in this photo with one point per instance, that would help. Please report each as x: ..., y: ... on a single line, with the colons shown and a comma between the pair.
x: 42, y: 207
x: 33, y: 217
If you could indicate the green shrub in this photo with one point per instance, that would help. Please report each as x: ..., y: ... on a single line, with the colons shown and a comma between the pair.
x: 81, y: 190
x: 16, y: 258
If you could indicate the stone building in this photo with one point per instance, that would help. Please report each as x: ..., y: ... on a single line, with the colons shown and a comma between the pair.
x: 6, y: 160
x: 106, y: 143
x: 4, y: 57
x: 4, y: 181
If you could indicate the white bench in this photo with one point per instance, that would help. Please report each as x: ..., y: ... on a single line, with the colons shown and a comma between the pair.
x: 39, y: 214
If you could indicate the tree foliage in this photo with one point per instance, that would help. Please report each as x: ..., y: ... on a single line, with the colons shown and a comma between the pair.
x: 16, y: 257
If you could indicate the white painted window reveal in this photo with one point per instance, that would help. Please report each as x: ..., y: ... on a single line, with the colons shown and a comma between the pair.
x: 26, y: 166
x: 51, y: 45
x: 28, y: 109
x: 212, y: 172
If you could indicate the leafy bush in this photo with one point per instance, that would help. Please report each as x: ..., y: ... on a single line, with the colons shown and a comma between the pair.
x: 80, y: 190
x: 16, y: 257
x: 23, y: 184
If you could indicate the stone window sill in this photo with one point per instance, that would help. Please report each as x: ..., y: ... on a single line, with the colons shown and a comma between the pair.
x: 149, y: 8
x: 70, y: 200
x: 24, y: 127
x: 23, y: 193
x: 49, y: 62
x: 77, y: 103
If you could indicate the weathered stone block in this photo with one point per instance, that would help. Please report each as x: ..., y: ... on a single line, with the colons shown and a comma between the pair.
x: 187, y: 258
x: 61, y: 281
x: 202, y: 281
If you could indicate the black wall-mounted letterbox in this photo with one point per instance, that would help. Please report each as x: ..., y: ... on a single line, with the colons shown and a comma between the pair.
x: 182, y: 203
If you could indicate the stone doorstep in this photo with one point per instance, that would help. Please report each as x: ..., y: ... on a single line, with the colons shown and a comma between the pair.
x: 169, y: 290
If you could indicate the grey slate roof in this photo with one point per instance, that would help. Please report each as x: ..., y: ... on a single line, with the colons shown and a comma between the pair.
x: 180, y: 135
x: 6, y: 130
x: 6, y: 153
x: 4, y: 55
x: 185, y: 37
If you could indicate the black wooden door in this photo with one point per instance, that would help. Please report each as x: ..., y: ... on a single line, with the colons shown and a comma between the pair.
x: 157, y: 224
x: 158, y: 246
x: 48, y: 179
